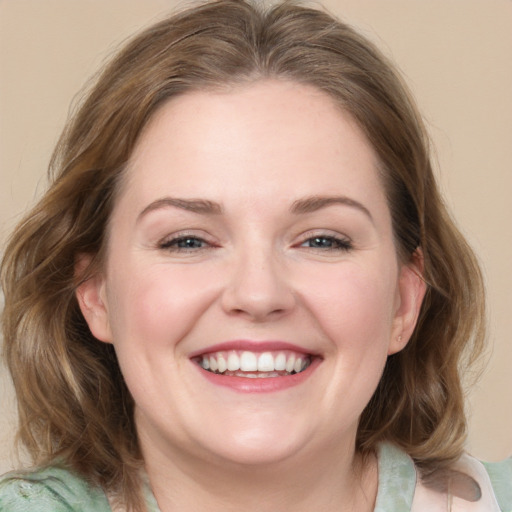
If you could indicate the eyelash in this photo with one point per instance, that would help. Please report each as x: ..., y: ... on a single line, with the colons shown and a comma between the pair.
x: 336, y: 243
x: 173, y: 244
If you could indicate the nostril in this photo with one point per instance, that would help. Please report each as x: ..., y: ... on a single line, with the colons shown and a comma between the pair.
x: 258, y: 315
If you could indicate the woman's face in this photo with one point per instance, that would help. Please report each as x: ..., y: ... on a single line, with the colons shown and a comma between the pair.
x: 251, y: 289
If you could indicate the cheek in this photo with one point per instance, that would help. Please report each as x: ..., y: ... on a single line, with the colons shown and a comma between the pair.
x: 152, y: 313
x: 158, y: 305
x: 354, y: 305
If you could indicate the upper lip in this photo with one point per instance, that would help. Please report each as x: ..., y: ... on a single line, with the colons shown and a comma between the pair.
x: 253, y: 346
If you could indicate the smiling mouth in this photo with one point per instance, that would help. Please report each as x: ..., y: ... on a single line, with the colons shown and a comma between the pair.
x: 254, y: 365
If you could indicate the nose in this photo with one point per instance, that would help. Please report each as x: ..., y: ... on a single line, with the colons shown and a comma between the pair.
x: 258, y: 287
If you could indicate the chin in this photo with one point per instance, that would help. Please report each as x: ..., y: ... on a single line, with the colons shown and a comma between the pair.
x: 258, y: 453
x: 258, y: 444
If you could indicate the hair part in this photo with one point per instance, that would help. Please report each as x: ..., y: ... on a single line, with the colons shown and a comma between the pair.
x: 73, y: 403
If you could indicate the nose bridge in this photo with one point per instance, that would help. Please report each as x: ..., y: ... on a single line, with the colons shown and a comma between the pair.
x: 258, y: 285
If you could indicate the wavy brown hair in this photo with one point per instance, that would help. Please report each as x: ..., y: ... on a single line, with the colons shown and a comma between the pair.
x: 72, y: 400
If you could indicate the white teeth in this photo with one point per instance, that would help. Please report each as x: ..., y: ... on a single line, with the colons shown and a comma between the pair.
x: 223, y: 366
x: 280, y: 362
x: 248, y: 362
x: 266, y: 362
x: 252, y: 365
x: 233, y: 362
x: 290, y: 363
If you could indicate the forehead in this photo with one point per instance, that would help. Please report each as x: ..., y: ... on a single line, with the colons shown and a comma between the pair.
x: 271, y: 137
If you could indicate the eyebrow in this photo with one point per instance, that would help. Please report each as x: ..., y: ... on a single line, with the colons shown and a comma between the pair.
x: 201, y: 206
x: 315, y: 203
x: 206, y: 207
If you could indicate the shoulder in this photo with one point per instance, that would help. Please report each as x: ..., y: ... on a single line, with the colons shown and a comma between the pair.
x: 51, y: 488
x: 500, y: 475
x: 469, y: 485
x: 494, y: 481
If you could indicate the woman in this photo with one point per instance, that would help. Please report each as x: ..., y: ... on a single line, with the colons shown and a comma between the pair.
x: 242, y: 290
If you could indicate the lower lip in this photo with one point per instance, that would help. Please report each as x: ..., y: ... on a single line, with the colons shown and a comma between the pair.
x: 260, y: 385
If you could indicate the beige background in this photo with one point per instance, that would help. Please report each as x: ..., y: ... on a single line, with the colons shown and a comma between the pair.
x: 456, y: 55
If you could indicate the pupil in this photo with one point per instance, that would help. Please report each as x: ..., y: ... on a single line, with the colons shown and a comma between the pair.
x: 190, y: 243
x: 321, y: 242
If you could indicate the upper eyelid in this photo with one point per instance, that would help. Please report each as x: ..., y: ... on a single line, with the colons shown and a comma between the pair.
x: 327, y: 233
x: 169, y: 239
x: 187, y: 232
x: 314, y: 233
x: 206, y: 237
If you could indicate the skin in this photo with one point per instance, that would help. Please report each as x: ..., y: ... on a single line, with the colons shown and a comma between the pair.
x: 255, y: 271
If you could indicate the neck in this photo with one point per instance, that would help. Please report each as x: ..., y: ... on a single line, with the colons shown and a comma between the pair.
x: 338, y: 481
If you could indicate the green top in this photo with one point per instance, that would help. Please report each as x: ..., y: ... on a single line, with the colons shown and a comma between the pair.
x: 57, y: 489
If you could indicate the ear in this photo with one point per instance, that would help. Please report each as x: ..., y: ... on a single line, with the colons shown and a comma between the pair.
x: 410, y: 294
x: 91, y: 296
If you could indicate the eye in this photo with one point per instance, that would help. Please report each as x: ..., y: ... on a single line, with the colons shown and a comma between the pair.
x: 328, y: 243
x: 184, y: 243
